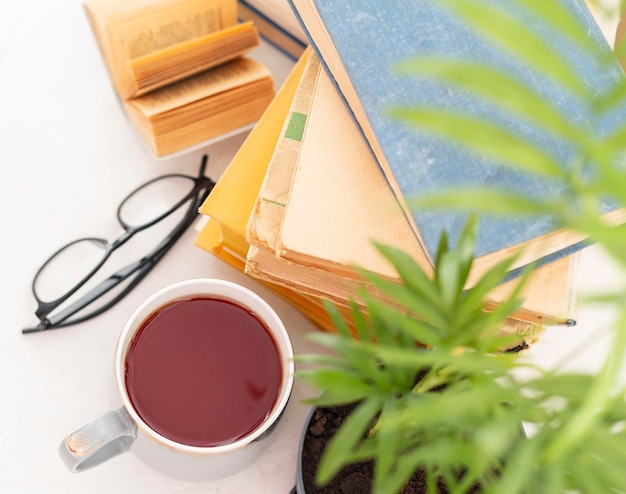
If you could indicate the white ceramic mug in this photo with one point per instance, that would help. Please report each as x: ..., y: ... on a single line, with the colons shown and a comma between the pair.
x: 123, y: 429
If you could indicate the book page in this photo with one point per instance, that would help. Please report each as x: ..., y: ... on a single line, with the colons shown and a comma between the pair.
x: 190, y: 57
x: 234, y: 74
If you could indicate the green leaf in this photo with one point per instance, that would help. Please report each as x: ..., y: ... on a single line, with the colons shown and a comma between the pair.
x: 481, y: 199
x: 337, y: 319
x: 475, y: 296
x: 353, y: 429
x: 415, y: 304
x: 609, y: 449
x: 493, y: 86
x: 481, y: 137
x: 568, y: 25
x: 449, y: 279
x: 614, y: 97
x: 356, y: 359
x: 339, y: 386
x: 338, y: 362
x: 388, y: 442
x: 598, y: 396
x: 410, y: 324
x: 511, y: 35
x: 412, y: 275
x: 332, y: 341
x: 585, y: 475
x: 554, y: 479
x: 573, y: 385
x: 360, y: 323
x: 513, y: 478
x: 466, y: 242
x: 384, y: 329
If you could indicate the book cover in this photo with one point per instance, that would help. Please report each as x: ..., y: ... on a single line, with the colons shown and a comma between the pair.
x: 360, y: 43
x: 339, y: 201
x: 279, y: 13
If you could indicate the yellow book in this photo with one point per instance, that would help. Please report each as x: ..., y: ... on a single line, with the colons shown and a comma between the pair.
x: 210, y: 239
x: 228, y: 207
x: 240, y: 183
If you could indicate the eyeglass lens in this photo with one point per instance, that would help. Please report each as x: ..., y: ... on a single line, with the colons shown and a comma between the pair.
x: 154, y: 199
x: 68, y: 267
x: 77, y: 260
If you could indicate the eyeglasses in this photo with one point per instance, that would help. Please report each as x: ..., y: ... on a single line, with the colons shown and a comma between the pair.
x: 65, y: 285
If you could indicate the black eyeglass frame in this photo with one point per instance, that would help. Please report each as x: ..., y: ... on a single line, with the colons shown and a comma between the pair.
x: 200, y: 191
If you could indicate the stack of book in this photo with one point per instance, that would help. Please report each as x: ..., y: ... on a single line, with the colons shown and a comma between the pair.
x: 324, y: 173
x: 276, y: 23
x: 179, y: 70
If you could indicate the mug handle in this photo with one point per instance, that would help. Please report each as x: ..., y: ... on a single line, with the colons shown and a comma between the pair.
x: 99, y: 440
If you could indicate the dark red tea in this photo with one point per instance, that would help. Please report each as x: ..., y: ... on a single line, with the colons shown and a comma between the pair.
x: 203, y: 371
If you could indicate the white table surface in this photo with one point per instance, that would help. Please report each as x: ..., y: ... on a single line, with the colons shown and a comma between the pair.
x: 67, y: 157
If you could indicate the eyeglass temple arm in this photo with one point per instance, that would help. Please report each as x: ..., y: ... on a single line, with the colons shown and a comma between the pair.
x: 94, y: 294
x: 203, y: 164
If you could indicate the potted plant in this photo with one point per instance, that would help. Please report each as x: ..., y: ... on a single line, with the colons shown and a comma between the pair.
x: 429, y: 390
x: 436, y: 399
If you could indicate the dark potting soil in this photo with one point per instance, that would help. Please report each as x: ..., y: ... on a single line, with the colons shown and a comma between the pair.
x: 353, y: 479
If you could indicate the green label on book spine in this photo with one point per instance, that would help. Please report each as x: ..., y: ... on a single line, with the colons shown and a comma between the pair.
x: 295, y: 129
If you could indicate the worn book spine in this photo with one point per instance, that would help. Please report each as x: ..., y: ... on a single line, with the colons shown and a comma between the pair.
x: 266, y: 217
x: 240, y: 183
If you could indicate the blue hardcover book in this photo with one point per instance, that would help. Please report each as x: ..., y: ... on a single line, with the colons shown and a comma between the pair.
x: 361, y: 43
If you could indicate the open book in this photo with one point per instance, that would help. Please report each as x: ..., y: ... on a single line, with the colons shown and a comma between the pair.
x: 178, y: 68
x: 361, y: 43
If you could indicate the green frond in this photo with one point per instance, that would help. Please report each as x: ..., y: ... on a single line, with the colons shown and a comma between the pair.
x: 484, y: 138
x: 511, y: 35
